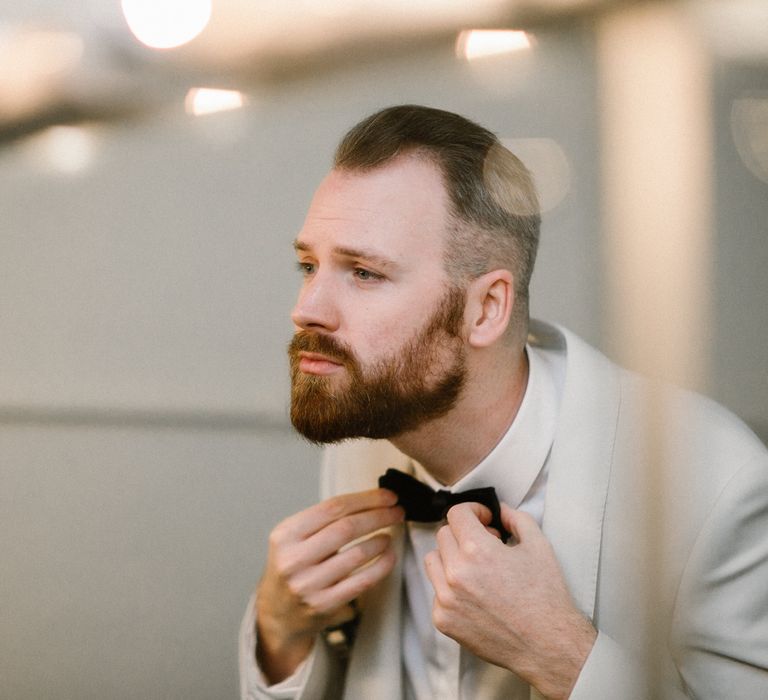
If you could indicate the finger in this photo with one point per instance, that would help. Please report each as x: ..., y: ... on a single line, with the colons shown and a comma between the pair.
x: 338, y: 617
x: 341, y: 533
x: 433, y: 564
x: 447, y: 546
x: 481, y: 512
x: 522, y: 525
x: 290, y: 558
x: 468, y: 520
x: 335, y: 568
x: 313, y: 519
x: 354, y: 585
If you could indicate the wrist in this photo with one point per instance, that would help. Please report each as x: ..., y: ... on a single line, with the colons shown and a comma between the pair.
x: 279, y: 655
x: 559, y: 679
x: 279, y: 648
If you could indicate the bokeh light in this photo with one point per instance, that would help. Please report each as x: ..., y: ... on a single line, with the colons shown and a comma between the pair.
x: 63, y: 149
x: 481, y: 43
x: 749, y: 124
x: 166, y: 24
x: 201, y: 101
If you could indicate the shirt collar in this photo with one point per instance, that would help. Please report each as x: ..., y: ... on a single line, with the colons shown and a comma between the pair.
x: 517, y: 459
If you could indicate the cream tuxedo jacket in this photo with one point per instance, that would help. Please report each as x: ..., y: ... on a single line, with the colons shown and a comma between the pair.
x: 657, y: 508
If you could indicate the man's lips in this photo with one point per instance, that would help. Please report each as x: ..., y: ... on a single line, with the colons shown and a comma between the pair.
x: 315, y: 363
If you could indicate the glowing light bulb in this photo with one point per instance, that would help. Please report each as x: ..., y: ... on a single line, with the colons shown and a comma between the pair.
x: 480, y: 43
x: 166, y: 24
x: 201, y: 101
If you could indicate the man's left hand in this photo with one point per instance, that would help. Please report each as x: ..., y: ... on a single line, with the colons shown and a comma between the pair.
x: 508, y: 605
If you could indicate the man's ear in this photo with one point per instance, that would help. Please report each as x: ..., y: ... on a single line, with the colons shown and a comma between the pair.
x: 489, y: 307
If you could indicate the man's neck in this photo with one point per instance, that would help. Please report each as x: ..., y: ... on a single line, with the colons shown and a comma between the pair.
x: 451, y: 446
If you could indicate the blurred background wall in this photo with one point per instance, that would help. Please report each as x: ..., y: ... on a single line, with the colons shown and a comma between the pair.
x: 146, y: 277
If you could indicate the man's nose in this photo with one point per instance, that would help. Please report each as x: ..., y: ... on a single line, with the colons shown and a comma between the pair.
x: 316, y: 308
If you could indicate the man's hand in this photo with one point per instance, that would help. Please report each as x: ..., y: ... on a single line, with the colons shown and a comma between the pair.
x: 508, y: 605
x: 308, y: 583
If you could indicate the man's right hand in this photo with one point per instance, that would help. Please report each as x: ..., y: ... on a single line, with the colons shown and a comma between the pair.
x: 308, y: 583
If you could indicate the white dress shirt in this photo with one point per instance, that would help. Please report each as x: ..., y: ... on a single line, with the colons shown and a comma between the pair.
x: 434, y: 665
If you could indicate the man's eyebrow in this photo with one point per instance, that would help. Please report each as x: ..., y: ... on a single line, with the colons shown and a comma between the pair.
x: 363, y: 253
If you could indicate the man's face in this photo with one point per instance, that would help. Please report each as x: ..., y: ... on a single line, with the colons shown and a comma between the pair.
x: 378, y: 349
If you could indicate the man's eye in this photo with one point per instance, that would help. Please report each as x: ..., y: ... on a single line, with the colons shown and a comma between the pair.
x: 305, y: 268
x: 366, y: 275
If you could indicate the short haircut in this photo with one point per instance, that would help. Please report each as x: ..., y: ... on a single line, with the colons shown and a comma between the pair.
x: 494, y: 207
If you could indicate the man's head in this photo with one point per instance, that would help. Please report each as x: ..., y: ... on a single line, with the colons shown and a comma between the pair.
x: 410, y: 262
x: 494, y: 208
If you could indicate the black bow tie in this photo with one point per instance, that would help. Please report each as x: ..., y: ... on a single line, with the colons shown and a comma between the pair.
x: 425, y: 505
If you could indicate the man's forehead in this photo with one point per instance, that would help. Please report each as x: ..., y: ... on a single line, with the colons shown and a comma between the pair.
x: 404, y: 177
x: 403, y: 201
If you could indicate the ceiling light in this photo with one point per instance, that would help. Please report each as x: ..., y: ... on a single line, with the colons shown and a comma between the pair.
x: 201, y: 101
x: 166, y: 24
x: 480, y: 43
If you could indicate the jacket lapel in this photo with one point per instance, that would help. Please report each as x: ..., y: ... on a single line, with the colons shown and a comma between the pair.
x: 375, y: 668
x: 580, y: 468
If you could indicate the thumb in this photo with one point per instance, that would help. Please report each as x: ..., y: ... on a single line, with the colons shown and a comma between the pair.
x: 482, y: 513
x: 522, y: 525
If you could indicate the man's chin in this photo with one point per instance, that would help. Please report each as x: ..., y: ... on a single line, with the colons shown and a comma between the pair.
x: 323, y: 431
x: 320, y: 435
x: 327, y: 427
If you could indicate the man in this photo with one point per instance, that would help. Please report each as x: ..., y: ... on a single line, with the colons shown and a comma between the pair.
x: 413, y: 332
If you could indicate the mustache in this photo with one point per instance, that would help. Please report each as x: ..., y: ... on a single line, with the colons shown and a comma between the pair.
x: 304, y: 341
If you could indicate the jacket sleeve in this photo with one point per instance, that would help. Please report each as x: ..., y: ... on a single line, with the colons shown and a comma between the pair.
x: 613, y: 673
x: 720, y: 622
x: 318, y: 678
x: 719, y: 631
